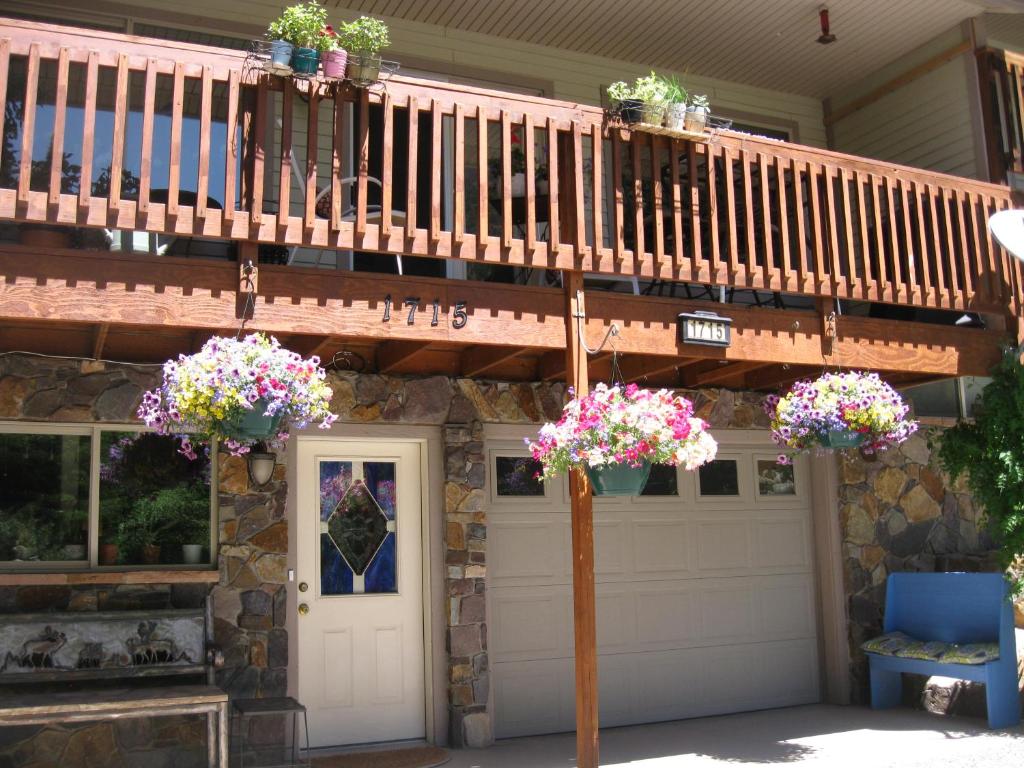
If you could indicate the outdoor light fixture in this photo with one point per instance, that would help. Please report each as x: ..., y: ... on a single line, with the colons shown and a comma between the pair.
x: 826, y: 35
x: 261, y: 463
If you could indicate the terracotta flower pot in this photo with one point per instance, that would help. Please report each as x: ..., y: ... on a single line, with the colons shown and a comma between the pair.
x: 151, y: 554
x: 108, y: 554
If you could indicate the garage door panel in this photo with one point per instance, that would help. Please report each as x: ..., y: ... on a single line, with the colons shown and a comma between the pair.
x: 534, y: 697
x: 670, y: 683
x: 660, y: 547
x: 789, y: 672
x: 666, y: 615
x: 611, y: 544
x: 787, y: 607
x: 727, y: 612
x: 531, y: 621
x: 781, y: 544
x: 723, y: 546
x: 524, y: 549
x: 616, y: 694
x: 616, y: 629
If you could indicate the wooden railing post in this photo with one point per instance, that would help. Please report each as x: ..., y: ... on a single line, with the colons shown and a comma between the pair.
x: 582, y: 516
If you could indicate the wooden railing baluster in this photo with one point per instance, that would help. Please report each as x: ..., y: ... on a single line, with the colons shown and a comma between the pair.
x: 785, y: 264
x: 657, y: 203
x: 28, y: 123
x: 804, y: 276
x: 284, y: 179
x: 363, y: 162
x: 205, y: 119
x: 880, y: 288
x: 737, y: 272
x: 259, y: 151
x: 337, y: 149
x: 60, y: 107
x: 960, y: 200
x: 483, y: 192
x: 387, y: 174
x: 866, y: 283
x: 579, y: 216
x: 717, y: 269
x: 697, y: 266
x: 435, y: 176
x: 231, y: 152
x: 312, y: 139
x: 618, y: 213
x: 640, y: 247
x: 891, y: 198
x: 413, y: 164
x: 146, y: 159
x: 771, y: 272
x: 529, y: 160
x: 597, y: 188
x: 554, y: 189
x: 753, y: 267
x: 681, y: 267
x: 848, y: 254
x: 174, y: 166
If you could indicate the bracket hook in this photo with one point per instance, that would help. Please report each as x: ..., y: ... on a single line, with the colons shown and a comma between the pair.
x: 612, y: 332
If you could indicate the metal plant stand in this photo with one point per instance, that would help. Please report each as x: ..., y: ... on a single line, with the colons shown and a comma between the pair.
x: 284, y: 705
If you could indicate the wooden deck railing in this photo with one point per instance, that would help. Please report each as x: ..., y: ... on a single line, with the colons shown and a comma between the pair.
x: 202, y: 145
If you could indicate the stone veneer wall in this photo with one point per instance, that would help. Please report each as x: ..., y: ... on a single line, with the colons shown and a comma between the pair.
x: 901, y: 513
x: 896, y: 513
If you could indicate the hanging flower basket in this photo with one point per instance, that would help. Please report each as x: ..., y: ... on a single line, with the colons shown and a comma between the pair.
x: 616, y: 433
x: 838, y: 411
x: 238, y: 391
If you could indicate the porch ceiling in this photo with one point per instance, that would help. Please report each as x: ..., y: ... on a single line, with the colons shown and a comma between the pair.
x: 770, y: 43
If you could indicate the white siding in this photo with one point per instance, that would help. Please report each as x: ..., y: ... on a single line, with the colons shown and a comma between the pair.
x: 927, y: 123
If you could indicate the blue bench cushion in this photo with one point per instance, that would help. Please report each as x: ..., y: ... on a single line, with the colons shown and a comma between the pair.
x: 904, y: 646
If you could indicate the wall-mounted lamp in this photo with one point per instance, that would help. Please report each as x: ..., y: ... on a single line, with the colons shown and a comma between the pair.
x: 261, y: 464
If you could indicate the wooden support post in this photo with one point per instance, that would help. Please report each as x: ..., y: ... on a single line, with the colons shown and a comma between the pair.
x: 584, y: 606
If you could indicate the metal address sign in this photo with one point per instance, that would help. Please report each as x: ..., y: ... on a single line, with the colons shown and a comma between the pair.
x: 459, y: 315
x: 705, y: 328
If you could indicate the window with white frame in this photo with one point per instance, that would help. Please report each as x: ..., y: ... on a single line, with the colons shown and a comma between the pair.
x: 92, y: 496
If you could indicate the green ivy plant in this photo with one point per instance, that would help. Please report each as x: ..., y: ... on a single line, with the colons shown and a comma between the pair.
x: 302, y: 25
x: 990, y: 452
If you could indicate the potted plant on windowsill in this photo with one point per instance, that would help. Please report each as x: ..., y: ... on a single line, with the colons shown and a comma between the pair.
x: 364, y: 39
x: 616, y: 433
x: 238, y: 391
x: 837, y: 411
x: 301, y: 26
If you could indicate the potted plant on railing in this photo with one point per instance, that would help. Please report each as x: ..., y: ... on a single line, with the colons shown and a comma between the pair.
x: 334, y: 56
x: 836, y: 411
x: 653, y: 92
x: 300, y: 26
x: 697, y: 114
x: 364, y: 39
x: 617, y: 432
x: 624, y: 103
x: 675, y: 99
x: 237, y: 391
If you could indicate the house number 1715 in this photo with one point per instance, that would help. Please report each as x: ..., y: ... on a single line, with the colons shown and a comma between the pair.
x: 412, y: 303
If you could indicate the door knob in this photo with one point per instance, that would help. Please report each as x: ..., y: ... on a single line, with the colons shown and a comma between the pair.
x: 303, y: 609
x: 303, y: 586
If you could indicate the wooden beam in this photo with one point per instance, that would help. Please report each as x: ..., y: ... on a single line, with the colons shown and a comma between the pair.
x: 778, y: 376
x: 325, y: 345
x: 550, y: 366
x: 392, y: 354
x: 582, y: 517
x: 640, y: 368
x: 480, y: 360
x: 100, y: 340
x: 93, y: 288
x: 725, y: 372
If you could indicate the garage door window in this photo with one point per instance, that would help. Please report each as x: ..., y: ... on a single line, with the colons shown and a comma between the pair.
x: 663, y: 481
x: 518, y: 476
x: 774, y: 479
x: 720, y: 478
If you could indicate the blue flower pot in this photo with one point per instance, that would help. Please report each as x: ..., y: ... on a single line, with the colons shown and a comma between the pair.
x: 255, y: 424
x: 305, y: 61
x: 281, y: 52
x: 843, y: 438
x: 619, y: 479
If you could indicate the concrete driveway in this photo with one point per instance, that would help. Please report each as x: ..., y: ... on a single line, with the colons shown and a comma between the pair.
x: 817, y: 735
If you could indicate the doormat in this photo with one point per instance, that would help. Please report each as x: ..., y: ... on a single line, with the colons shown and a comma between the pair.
x: 414, y: 757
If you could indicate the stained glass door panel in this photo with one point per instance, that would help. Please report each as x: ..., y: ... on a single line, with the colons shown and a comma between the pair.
x: 358, y: 527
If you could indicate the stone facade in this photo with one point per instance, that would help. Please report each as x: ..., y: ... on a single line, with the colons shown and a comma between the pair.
x: 901, y: 513
x: 896, y: 514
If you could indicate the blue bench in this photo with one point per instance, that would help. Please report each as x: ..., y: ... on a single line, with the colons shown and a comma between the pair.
x: 957, y: 625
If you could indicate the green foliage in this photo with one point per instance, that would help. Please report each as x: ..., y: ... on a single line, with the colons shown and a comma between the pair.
x: 620, y: 91
x: 650, y: 89
x: 700, y: 100
x: 990, y: 452
x: 302, y: 25
x: 172, y: 516
x: 365, y: 36
x: 674, y: 91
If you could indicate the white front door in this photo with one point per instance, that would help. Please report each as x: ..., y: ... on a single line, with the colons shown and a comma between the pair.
x: 359, y: 555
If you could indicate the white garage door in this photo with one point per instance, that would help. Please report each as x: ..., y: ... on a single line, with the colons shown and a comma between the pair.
x: 705, y: 592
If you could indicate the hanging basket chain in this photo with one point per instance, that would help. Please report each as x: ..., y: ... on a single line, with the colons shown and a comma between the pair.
x: 249, y: 272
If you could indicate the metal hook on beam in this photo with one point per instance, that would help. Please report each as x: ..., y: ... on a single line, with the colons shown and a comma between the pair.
x: 612, y: 332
